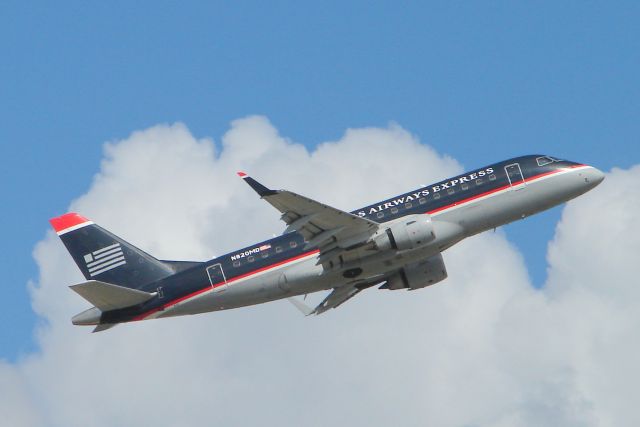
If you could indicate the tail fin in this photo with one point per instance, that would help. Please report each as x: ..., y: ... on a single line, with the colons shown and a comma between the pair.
x: 103, y: 256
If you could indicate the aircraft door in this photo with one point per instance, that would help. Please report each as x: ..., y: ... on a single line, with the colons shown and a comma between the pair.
x: 217, y: 278
x: 514, y: 174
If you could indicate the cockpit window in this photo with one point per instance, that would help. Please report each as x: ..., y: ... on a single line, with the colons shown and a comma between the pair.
x: 544, y: 160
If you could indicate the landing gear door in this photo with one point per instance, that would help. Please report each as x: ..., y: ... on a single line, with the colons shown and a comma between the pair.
x: 514, y: 174
x: 217, y: 278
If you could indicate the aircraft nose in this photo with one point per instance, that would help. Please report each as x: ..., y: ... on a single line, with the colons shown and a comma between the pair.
x: 592, y: 176
x: 596, y: 176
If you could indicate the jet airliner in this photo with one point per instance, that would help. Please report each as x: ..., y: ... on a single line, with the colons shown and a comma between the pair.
x: 393, y: 244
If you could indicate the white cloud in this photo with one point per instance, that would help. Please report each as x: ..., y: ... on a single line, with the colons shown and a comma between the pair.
x: 483, y: 348
x: 16, y: 405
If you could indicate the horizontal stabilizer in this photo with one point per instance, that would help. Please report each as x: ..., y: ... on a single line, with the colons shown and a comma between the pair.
x: 107, y: 297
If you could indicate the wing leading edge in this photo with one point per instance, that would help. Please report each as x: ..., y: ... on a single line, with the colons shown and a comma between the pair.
x: 330, y: 229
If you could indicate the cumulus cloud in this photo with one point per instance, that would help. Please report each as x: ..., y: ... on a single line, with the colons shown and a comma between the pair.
x: 483, y: 348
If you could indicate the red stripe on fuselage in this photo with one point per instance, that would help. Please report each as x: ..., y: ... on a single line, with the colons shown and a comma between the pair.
x: 278, y: 264
x: 260, y: 270
x: 233, y: 279
x: 495, y: 190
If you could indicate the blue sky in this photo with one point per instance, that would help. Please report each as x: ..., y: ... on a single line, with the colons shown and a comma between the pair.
x: 478, y: 81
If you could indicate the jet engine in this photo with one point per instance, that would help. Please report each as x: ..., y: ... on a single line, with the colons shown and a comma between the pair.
x: 409, y: 232
x: 418, y: 275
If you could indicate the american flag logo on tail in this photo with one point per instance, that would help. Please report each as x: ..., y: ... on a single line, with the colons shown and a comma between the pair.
x: 104, y: 259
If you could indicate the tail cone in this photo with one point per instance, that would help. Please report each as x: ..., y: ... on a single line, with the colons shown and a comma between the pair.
x: 87, y: 317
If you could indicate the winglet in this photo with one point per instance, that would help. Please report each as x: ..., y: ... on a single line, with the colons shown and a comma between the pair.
x: 304, y: 308
x: 258, y: 188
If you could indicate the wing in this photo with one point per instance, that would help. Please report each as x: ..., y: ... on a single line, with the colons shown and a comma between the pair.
x: 336, y: 298
x: 331, y: 230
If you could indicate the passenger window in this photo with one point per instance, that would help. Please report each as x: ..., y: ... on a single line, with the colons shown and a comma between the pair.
x: 492, y: 177
x: 251, y: 259
x: 465, y: 186
x: 380, y: 215
x: 422, y: 200
x: 408, y: 205
x: 479, y: 181
x: 278, y: 249
x: 451, y: 191
x: 394, y: 210
x: 293, y: 244
x: 236, y: 263
x: 436, y: 196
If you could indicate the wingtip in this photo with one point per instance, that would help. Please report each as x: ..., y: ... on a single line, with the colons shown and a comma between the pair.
x: 258, y: 188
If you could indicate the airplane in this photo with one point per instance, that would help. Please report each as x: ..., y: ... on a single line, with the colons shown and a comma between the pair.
x: 394, y: 244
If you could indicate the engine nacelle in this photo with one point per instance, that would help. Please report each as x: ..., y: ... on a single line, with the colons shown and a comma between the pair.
x: 408, y: 232
x: 419, y: 274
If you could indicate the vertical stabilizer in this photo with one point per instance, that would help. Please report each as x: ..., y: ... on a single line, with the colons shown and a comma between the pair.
x: 103, y: 256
